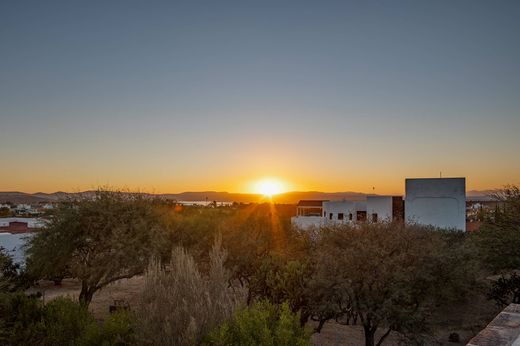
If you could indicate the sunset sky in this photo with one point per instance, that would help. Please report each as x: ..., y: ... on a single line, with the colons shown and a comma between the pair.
x: 170, y: 96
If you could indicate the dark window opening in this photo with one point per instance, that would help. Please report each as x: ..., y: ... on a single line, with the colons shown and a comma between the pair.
x: 330, y: 216
x: 374, y: 217
x: 340, y: 216
x: 350, y: 217
x: 361, y: 216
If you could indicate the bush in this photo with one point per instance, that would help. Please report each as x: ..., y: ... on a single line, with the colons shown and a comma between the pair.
x: 262, y: 323
x: 20, y: 318
x: 117, y: 329
x: 25, y: 321
x: 180, y: 305
x: 65, y: 322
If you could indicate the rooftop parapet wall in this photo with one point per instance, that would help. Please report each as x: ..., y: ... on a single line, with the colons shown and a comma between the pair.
x: 439, y: 202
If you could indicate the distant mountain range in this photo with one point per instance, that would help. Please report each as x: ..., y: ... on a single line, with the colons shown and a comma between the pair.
x: 288, y: 197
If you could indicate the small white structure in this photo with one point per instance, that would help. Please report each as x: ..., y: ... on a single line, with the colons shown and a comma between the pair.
x: 439, y: 202
x: 309, y: 214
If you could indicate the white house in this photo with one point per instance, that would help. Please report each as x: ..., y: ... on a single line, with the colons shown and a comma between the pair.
x: 385, y: 208
x: 439, y: 202
x: 309, y: 214
x: 344, y: 211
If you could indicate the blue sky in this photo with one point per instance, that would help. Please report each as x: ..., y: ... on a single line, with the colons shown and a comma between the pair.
x: 327, y: 95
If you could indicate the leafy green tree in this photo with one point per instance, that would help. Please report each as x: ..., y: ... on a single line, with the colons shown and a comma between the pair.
x: 65, y: 322
x: 99, y: 239
x: 506, y: 290
x: 390, y: 275
x: 117, y: 329
x: 262, y: 323
x: 498, y: 245
x: 282, y: 281
x: 498, y: 240
x: 12, y: 276
x: 20, y: 318
x: 26, y: 321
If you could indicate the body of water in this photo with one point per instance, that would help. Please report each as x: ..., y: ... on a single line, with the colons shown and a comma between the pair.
x: 14, y: 243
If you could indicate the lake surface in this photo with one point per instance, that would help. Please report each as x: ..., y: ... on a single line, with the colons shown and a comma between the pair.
x: 14, y: 243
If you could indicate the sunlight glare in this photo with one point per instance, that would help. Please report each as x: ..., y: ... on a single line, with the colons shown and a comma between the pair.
x: 269, y: 187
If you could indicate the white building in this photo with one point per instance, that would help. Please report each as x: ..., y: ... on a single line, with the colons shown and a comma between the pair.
x: 344, y: 211
x: 439, y: 202
x: 385, y: 208
x: 317, y: 213
x: 309, y: 214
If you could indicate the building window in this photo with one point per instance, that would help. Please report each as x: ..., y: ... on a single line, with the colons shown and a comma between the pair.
x: 361, y: 216
x: 340, y: 216
x: 374, y: 217
x: 330, y: 216
x: 350, y: 217
x: 324, y: 214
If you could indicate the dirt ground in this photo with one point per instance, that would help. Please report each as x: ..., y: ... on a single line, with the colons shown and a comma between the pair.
x: 465, y: 319
x: 126, y: 289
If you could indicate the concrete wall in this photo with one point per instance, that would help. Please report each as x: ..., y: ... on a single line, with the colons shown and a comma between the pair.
x: 344, y: 207
x: 380, y: 205
x: 440, y: 202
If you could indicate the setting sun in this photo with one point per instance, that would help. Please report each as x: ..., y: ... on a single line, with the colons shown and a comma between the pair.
x: 269, y: 187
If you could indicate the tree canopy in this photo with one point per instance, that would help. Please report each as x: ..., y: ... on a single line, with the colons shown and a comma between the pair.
x: 98, y: 239
x: 389, y: 275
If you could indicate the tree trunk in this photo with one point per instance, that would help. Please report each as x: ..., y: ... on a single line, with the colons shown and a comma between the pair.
x: 369, y: 335
x: 86, y: 294
x: 320, y: 326
x: 380, y: 342
x: 304, y: 318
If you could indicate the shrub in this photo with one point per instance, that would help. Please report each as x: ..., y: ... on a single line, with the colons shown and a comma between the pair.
x: 262, y: 323
x: 20, y: 318
x: 25, y: 321
x: 117, y: 329
x: 180, y: 305
x: 65, y: 322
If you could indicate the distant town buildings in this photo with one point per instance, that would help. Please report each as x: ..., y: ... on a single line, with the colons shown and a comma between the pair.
x: 438, y: 202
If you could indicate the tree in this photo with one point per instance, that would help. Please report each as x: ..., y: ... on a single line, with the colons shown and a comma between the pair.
x: 389, y: 275
x: 99, y: 239
x: 498, y: 240
x: 26, y: 321
x: 280, y: 281
x: 12, y: 276
x: 262, y: 323
x: 506, y: 290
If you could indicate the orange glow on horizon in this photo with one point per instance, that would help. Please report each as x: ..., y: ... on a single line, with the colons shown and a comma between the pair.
x: 269, y: 187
